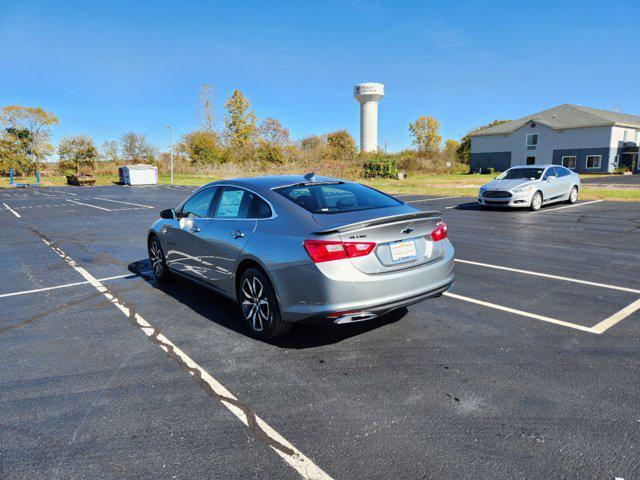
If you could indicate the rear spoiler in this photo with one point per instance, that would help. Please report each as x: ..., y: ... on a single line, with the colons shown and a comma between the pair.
x: 379, y: 221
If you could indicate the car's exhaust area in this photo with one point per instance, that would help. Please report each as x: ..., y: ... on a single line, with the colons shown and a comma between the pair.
x: 351, y: 317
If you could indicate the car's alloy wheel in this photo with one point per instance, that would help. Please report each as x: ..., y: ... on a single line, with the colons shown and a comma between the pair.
x: 259, y: 305
x: 157, y: 259
x: 536, y: 201
x: 573, y: 196
x: 255, y: 304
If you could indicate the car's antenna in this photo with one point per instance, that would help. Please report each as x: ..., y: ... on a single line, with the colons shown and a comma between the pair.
x: 310, y: 177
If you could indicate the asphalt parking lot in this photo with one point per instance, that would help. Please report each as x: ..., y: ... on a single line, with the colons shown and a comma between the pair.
x: 528, y: 368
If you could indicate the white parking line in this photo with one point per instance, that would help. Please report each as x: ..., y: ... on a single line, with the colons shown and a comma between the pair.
x: 520, y: 312
x: 125, y: 203
x: 546, y: 275
x: 67, y: 285
x: 263, y: 431
x: 89, y: 205
x: 568, y: 206
x: 431, y: 199
x: 11, y: 210
x: 616, y: 317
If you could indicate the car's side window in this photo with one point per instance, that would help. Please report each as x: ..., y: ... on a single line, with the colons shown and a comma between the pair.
x: 564, y: 172
x: 198, y: 205
x: 551, y: 172
x: 234, y: 202
x: 259, y: 208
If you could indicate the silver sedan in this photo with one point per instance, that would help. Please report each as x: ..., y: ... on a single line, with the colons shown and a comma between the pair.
x: 531, y: 186
x: 293, y: 248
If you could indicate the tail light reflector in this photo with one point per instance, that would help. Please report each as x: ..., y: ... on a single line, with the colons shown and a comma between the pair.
x: 325, y: 250
x: 440, y: 233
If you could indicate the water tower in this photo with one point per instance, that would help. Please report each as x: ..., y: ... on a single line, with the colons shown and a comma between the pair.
x: 368, y: 95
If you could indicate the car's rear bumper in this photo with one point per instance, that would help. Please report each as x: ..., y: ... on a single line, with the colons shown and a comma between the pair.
x: 306, y: 293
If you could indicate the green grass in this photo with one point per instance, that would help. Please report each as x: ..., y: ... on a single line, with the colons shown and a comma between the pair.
x: 439, y: 185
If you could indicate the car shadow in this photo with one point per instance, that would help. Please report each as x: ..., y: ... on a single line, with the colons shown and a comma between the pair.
x: 226, y: 313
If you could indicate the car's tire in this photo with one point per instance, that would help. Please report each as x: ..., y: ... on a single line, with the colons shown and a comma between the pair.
x: 158, y: 260
x: 573, y: 196
x: 259, y: 305
x: 536, y: 201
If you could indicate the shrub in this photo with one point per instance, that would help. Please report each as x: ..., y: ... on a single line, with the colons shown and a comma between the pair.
x: 381, y: 168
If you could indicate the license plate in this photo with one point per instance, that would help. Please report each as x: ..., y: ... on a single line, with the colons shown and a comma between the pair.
x: 403, y: 250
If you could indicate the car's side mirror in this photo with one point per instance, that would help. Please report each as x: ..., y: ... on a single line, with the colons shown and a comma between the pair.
x: 168, y: 214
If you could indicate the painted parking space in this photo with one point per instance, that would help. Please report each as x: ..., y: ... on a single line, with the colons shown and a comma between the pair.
x: 443, y: 381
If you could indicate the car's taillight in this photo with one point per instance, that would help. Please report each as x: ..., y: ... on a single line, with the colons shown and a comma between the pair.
x: 440, y: 233
x: 325, y: 251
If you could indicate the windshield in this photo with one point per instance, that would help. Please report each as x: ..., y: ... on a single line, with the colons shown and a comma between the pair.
x: 337, y: 197
x: 522, y: 173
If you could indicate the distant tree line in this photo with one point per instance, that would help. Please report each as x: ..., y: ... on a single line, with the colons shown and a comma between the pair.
x: 241, y: 141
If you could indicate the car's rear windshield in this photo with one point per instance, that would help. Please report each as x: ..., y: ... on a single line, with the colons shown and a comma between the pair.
x: 519, y: 173
x: 337, y: 197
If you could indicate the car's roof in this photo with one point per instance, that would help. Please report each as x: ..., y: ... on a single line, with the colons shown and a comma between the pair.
x: 275, y: 181
x: 546, y: 165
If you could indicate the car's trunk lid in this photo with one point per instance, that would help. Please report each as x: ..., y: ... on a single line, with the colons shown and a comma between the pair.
x: 402, y: 236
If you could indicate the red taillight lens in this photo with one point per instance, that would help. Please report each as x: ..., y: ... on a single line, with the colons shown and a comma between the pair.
x: 440, y: 233
x: 358, y: 249
x: 325, y: 251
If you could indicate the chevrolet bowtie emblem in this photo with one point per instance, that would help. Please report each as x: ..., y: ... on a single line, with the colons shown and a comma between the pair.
x: 407, y: 230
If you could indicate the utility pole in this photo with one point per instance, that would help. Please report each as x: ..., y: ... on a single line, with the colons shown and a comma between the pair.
x: 171, y: 152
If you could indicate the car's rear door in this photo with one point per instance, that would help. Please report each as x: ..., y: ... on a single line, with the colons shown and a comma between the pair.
x: 565, y: 179
x: 224, y: 236
x: 551, y: 186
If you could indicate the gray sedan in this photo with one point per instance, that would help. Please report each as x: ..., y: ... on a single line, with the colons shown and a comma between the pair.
x: 531, y: 186
x: 293, y: 248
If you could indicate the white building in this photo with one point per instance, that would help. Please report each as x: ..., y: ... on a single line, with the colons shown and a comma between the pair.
x: 583, y: 139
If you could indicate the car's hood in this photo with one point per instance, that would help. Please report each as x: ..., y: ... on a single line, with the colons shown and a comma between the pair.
x: 508, y: 184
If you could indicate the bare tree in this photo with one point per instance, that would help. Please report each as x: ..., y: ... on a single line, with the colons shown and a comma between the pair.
x: 206, y: 107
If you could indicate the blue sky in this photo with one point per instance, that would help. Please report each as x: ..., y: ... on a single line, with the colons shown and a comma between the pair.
x: 106, y: 68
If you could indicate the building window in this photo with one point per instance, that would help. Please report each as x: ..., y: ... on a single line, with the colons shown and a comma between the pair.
x: 594, y: 161
x: 532, y: 140
x: 624, y: 136
x: 569, y: 162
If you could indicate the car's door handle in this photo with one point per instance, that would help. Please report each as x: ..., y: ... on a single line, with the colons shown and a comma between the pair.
x: 237, y: 234
x: 195, y: 228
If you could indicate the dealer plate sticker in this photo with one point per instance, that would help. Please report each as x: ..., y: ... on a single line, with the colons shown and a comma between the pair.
x: 403, y: 250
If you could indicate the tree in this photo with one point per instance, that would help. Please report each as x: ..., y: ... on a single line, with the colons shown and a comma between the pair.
x: 464, y: 150
x: 206, y: 107
x: 15, y: 151
x: 77, y: 153
x: 426, y: 135
x: 311, y: 143
x: 341, y: 145
x: 273, y: 140
x: 110, y: 151
x: 240, y: 121
x: 450, y: 149
x: 202, y: 148
x: 34, y: 120
x: 136, y: 149
x: 272, y: 132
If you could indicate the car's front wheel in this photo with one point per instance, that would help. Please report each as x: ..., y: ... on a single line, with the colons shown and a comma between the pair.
x: 259, y: 305
x: 573, y: 196
x: 536, y: 201
x: 158, y: 260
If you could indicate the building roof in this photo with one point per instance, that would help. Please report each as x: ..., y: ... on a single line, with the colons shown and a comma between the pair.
x: 566, y: 116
